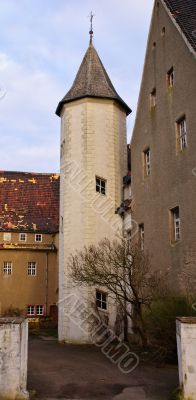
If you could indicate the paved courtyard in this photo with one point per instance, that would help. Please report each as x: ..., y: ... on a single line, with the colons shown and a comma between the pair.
x: 84, y: 373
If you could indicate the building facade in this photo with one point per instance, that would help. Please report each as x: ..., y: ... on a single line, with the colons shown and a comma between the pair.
x: 29, y: 219
x: 163, y: 146
x: 93, y: 164
x: 96, y: 194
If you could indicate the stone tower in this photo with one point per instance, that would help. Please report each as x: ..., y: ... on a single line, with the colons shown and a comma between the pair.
x: 93, y: 163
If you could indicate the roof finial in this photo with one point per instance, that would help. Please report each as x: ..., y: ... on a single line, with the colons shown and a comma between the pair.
x: 91, y: 26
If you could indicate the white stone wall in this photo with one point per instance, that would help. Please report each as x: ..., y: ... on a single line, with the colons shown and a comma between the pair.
x: 186, y: 342
x: 13, y: 358
x: 93, y: 143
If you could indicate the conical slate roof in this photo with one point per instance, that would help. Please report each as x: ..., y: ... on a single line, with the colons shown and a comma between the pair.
x: 92, y: 80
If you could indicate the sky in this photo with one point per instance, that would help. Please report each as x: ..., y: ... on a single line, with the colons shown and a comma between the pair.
x: 41, y: 48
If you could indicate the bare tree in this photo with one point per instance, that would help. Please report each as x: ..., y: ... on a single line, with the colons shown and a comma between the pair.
x: 124, y: 270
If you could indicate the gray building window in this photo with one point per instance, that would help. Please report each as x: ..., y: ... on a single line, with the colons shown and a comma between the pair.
x: 175, y: 225
x: 170, y: 78
x: 141, y: 236
x: 153, y: 98
x: 147, y: 166
x: 182, y: 133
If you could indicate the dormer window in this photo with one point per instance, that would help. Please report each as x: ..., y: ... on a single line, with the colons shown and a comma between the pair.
x: 22, y: 237
x: 38, y: 237
x: 7, y: 236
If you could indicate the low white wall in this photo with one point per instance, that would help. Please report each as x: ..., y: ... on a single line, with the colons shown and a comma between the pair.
x: 186, y: 342
x: 13, y: 358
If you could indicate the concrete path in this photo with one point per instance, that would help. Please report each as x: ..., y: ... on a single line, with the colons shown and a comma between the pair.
x: 84, y: 373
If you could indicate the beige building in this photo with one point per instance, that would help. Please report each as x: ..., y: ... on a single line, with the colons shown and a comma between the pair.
x: 93, y: 164
x: 29, y: 224
x: 163, y: 146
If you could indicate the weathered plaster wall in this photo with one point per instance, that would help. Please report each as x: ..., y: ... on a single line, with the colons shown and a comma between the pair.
x: 93, y: 143
x: 186, y: 341
x: 13, y: 358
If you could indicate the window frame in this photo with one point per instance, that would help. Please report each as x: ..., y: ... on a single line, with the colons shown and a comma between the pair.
x: 181, y: 134
x: 31, y: 314
x: 38, y: 313
x: 9, y: 235
x: 38, y: 235
x: 153, y: 98
x: 147, y: 162
x: 100, y: 301
x: 175, y: 225
x: 102, y: 188
x: 141, y: 236
x: 7, y: 268
x: 25, y: 237
x: 31, y: 268
x: 170, y: 78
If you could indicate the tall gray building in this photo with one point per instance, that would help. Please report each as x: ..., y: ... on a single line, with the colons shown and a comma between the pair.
x: 163, y: 147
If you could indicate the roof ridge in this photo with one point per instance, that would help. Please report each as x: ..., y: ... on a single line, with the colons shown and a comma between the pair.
x: 29, y: 173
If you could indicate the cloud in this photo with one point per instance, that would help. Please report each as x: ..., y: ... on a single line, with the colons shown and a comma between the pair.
x: 42, y: 46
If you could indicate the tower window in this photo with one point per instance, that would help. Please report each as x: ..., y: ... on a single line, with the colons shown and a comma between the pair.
x: 147, y: 162
x: 101, y: 300
x: 141, y: 236
x: 175, y: 225
x: 153, y: 98
x: 100, y: 185
x: 170, y: 78
x: 182, y: 133
x: 7, y: 268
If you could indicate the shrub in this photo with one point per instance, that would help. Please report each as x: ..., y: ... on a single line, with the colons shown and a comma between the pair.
x: 13, y: 312
x: 160, y: 321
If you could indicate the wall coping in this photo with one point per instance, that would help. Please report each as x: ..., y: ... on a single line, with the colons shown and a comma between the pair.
x: 11, y: 320
x: 187, y: 320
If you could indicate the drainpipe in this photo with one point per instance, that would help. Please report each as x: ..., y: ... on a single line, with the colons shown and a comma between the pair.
x: 46, y: 285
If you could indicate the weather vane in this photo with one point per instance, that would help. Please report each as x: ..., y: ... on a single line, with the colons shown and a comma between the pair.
x: 91, y: 26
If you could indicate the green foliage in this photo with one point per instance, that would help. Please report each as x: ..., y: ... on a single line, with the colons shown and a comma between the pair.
x: 160, y: 322
x: 13, y: 312
x: 177, y: 395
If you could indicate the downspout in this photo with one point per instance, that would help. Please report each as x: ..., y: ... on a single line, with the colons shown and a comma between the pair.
x: 46, y: 285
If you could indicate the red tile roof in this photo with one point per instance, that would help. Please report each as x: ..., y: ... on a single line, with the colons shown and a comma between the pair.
x: 29, y: 202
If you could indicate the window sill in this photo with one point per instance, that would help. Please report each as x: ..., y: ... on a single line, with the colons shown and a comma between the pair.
x: 173, y: 243
x: 102, y: 310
